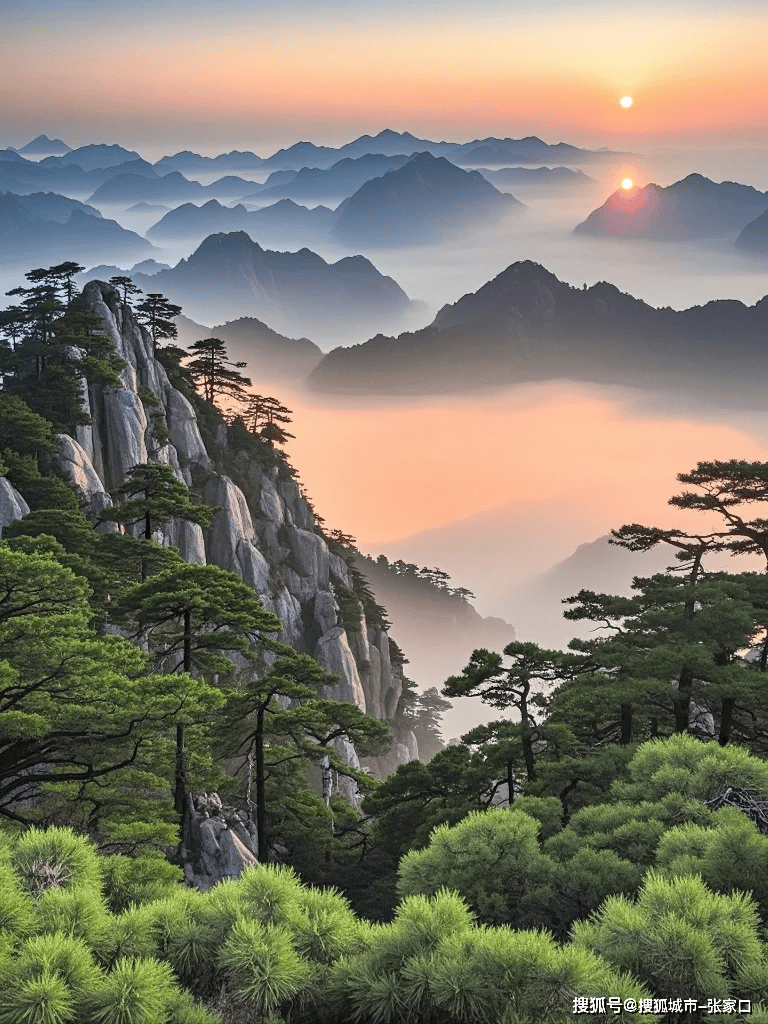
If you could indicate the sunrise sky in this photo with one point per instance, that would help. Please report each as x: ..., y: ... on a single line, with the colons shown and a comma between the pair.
x: 169, y: 74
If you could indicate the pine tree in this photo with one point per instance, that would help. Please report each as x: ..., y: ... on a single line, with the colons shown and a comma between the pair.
x: 214, y: 372
x: 153, y: 495
x: 157, y: 314
x: 126, y: 285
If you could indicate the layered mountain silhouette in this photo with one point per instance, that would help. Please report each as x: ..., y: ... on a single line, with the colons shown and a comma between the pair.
x: 270, y: 356
x: 92, y: 157
x: 554, y: 179
x: 104, y: 271
x: 526, y: 325
x: 23, y: 176
x: 531, y: 150
x: 48, y: 227
x: 284, y: 220
x: 754, y: 237
x: 342, y: 179
x: 694, y: 208
x: 190, y: 163
x: 296, y: 293
x: 123, y: 189
x: 43, y: 146
x: 424, y: 200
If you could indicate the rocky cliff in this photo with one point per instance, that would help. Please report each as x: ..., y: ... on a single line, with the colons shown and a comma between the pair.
x: 264, y: 530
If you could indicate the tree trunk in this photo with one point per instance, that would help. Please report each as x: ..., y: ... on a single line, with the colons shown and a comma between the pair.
x: 530, y: 766
x: 726, y: 721
x: 261, y: 794
x: 510, y: 783
x: 626, y: 725
x: 682, y: 699
x: 180, y: 792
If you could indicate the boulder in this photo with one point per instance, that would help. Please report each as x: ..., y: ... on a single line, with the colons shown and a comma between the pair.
x: 12, y: 505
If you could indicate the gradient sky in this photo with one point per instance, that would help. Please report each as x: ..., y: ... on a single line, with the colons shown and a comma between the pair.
x: 173, y: 73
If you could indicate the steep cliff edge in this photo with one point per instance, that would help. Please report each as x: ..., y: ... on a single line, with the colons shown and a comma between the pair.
x: 264, y: 530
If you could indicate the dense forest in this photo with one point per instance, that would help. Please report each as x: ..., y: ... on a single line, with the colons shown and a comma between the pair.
x: 601, y: 849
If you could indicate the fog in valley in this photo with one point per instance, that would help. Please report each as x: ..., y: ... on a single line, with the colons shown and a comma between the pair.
x: 511, y: 489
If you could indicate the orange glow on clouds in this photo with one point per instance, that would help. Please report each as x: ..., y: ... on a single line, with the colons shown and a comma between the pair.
x: 387, y: 470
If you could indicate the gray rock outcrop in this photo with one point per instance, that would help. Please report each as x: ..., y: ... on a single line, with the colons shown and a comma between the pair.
x: 264, y: 530
x: 218, y: 843
x: 12, y: 505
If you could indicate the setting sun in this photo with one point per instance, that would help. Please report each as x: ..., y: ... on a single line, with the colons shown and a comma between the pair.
x: 626, y: 101
x: 627, y: 183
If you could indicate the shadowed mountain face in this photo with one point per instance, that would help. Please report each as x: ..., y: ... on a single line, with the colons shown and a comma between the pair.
x: 295, y: 292
x: 25, y: 176
x: 226, y: 163
x: 284, y: 220
x: 313, y: 184
x: 44, y: 228
x: 526, y: 325
x: 425, y: 200
x: 43, y: 146
x: 270, y: 356
x: 92, y: 157
x: 690, y: 209
x: 754, y: 237
x: 126, y: 189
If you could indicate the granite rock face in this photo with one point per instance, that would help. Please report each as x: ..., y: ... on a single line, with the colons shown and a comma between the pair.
x: 264, y: 530
x: 12, y: 505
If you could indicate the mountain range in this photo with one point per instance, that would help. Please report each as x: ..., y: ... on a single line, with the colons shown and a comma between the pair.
x: 230, y: 275
x: 271, y: 357
x: 550, y: 178
x: 342, y: 179
x: 527, y: 325
x: 43, y: 146
x: 47, y: 227
x: 693, y: 208
x: 422, y: 201
x: 284, y: 220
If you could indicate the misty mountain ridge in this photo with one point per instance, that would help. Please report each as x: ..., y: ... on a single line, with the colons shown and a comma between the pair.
x: 424, y: 200
x: 173, y: 187
x: 230, y: 275
x: 338, y: 181
x: 540, y: 178
x: 527, y: 325
x: 67, y: 179
x: 754, y: 237
x: 271, y: 357
x: 525, y: 151
x: 692, y: 208
x: 284, y: 219
x: 43, y: 146
x: 45, y: 227
x: 92, y: 157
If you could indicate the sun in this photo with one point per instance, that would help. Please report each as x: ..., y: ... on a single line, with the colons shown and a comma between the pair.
x: 627, y: 183
x: 626, y: 101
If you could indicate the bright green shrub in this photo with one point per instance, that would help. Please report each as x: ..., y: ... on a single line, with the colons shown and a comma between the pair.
x: 492, y: 858
x: 134, y: 992
x: 137, y: 879
x: 678, y: 937
x: 264, y: 969
x: 40, y: 1000
x: 55, y: 857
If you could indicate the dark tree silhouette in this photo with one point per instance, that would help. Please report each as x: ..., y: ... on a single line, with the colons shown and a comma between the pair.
x: 217, y: 375
x: 126, y: 285
x: 157, y: 313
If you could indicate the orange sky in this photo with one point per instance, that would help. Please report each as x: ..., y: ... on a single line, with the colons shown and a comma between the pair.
x: 177, y: 74
x: 448, y: 459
